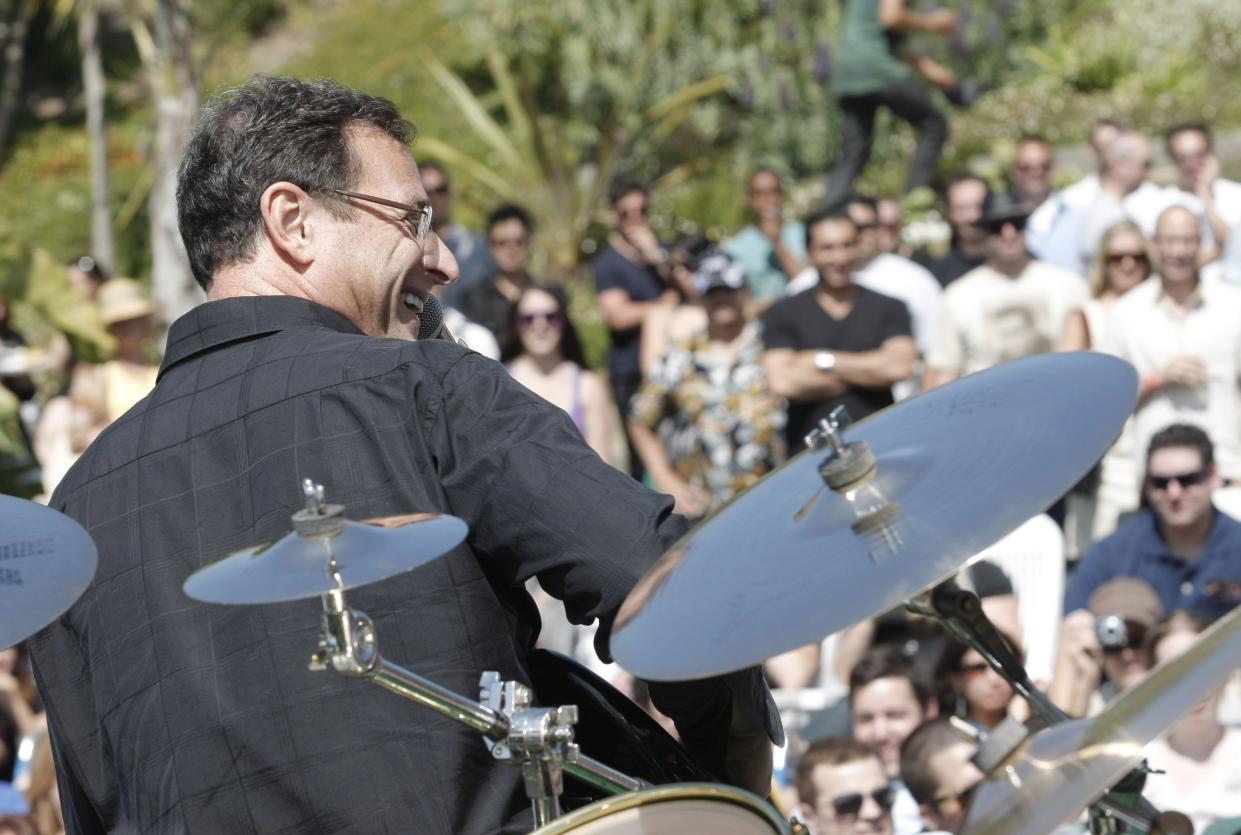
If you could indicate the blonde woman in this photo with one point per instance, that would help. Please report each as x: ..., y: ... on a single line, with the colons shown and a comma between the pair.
x: 1110, y: 489
x: 1122, y: 263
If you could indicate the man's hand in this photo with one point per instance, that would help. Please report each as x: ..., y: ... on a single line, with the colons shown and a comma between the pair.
x: 1206, y: 178
x: 641, y: 238
x: 1184, y: 371
x: 771, y: 224
x: 690, y: 501
x: 941, y: 21
x: 1080, y: 647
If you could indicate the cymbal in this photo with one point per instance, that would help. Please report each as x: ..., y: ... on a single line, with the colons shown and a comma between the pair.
x: 781, y: 566
x: 46, y: 561
x: 296, y: 567
x: 1057, y: 772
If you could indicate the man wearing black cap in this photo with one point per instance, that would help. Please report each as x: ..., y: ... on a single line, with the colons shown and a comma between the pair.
x: 1012, y: 306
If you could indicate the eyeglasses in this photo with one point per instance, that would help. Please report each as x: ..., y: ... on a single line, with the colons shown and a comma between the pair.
x: 1119, y: 257
x: 1031, y: 167
x: 1161, y: 482
x: 418, y: 218
x: 996, y: 227
x: 442, y: 188
x: 850, y: 805
x: 551, y: 317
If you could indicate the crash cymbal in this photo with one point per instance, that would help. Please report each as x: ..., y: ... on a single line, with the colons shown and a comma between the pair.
x: 956, y: 469
x: 46, y: 561
x: 1058, y: 772
x: 297, y: 567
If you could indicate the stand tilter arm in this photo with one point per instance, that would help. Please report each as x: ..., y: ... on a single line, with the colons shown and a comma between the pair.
x: 540, y: 739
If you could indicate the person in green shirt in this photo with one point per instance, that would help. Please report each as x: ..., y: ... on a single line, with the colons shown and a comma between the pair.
x: 871, y: 71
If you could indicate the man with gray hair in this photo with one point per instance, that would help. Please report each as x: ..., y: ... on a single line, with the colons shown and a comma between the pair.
x: 1124, y: 193
x: 307, y: 222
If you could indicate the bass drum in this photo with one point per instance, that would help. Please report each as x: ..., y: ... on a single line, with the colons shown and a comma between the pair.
x: 689, y: 809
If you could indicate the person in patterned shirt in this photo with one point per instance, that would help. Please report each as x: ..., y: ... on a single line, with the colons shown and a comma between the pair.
x: 722, y: 429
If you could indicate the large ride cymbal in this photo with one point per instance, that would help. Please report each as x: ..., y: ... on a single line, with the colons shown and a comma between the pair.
x: 781, y: 566
x: 46, y: 561
x: 1056, y: 773
x: 297, y: 567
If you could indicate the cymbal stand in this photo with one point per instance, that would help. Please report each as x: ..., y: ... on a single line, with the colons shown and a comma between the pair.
x: 539, y: 739
x: 960, y: 611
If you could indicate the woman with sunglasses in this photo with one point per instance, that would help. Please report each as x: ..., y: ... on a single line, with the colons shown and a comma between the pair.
x: 1122, y: 263
x: 542, y: 351
x: 973, y: 690
x: 1096, y: 504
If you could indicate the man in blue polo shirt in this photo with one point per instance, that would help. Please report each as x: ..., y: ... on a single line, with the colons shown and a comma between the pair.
x: 1189, y: 552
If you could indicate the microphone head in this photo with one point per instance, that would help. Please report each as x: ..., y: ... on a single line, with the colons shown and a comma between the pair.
x: 431, y: 319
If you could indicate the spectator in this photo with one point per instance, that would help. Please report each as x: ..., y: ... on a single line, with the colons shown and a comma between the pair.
x: 1196, y: 760
x: 893, y: 276
x: 974, y: 691
x: 102, y: 393
x: 890, y: 225
x: 728, y: 426
x: 542, y: 352
x: 888, y: 698
x: 466, y: 245
x: 1012, y: 306
x: 1214, y: 200
x: 1179, y: 543
x: 872, y: 71
x: 476, y: 337
x: 838, y: 343
x: 842, y: 789
x: 87, y: 275
x: 1124, y: 192
x: 680, y: 321
x: 772, y: 248
x: 508, y: 240
x: 1031, y: 175
x: 1103, y: 649
x: 630, y: 280
x: 1183, y: 336
x: 1112, y: 488
x: 937, y: 765
x: 1054, y: 231
x: 963, y: 200
x: 42, y: 795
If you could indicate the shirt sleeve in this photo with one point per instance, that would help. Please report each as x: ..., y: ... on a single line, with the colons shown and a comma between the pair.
x: 1091, y: 573
x: 607, y: 276
x: 896, y: 320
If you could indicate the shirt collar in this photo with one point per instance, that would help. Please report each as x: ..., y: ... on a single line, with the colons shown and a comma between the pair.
x: 225, y: 321
x: 1193, y: 301
x: 1155, y: 545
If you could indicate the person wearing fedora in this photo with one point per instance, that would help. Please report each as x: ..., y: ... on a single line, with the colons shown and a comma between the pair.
x: 105, y: 392
x: 1009, y: 307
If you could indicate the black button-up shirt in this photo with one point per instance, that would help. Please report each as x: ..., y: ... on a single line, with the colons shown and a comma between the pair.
x: 170, y: 715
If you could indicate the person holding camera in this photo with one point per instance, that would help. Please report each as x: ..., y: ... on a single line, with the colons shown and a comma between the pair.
x: 1104, y: 648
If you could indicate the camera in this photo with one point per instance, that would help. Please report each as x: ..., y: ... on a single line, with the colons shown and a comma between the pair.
x: 1112, y: 632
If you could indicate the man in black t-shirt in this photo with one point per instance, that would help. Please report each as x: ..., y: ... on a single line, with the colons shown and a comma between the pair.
x: 631, y: 276
x: 837, y: 343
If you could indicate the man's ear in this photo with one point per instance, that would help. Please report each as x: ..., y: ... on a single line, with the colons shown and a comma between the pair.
x: 290, y: 221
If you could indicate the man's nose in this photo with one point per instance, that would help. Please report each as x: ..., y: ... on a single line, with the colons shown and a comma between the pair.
x: 438, y: 260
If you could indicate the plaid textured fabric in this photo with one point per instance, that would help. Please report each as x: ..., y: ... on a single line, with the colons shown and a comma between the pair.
x: 170, y: 715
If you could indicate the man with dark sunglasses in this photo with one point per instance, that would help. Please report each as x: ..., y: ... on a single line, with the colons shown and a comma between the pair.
x: 467, y: 246
x: 842, y: 789
x: 1012, y: 306
x: 1179, y: 543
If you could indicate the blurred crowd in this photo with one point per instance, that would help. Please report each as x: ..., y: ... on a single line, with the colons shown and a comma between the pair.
x: 725, y: 353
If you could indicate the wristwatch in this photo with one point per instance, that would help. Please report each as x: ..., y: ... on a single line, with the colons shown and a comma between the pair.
x: 824, y: 360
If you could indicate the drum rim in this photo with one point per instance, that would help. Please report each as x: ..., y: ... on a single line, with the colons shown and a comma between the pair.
x: 661, y: 794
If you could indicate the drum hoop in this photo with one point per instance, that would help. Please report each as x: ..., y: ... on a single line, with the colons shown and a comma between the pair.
x: 660, y: 794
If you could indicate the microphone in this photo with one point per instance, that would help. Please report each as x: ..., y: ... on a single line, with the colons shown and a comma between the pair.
x: 431, y: 322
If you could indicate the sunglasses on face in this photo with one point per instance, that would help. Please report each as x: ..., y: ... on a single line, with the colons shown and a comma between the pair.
x: 551, y: 317
x: 975, y: 668
x: 850, y: 805
x: 1031, y: 167
x: 997, y: 227
x: 1119, y: 257
x: 1161, y: 482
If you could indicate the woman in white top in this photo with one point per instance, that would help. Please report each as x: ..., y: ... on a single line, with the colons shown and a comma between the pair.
x: 1122, y: 263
